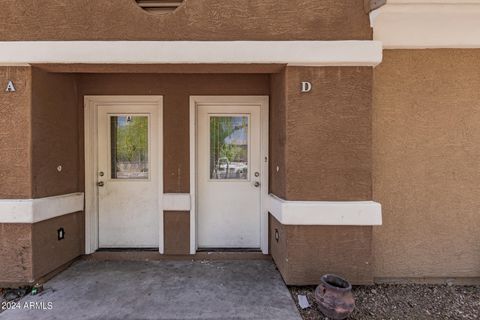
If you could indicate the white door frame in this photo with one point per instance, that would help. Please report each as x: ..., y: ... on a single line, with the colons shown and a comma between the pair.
x: 263, y: 103
x: 91, y: 161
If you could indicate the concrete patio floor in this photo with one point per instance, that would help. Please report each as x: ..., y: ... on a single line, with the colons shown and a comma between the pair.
x: 162, y: 290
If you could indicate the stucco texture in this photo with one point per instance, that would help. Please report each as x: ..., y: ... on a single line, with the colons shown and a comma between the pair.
x: 49, y: 253
x: 194, y: 20
x: 38, y: 132
x: 55, y: 132
x: 327, y: 149
x: 176, y: 226
x: 303, y: 253
x: 30, y: 251
x: 426, y: 169
x: 15, y: 254
x: 15, y: 133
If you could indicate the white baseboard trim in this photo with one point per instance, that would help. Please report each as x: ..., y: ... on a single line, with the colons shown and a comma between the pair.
x: 296, y: 53
x: 36, y: 210
x: 329, y: 213
x: 176, y: 202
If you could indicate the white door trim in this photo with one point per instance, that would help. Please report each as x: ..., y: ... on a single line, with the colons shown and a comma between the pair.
x: 263, y: 102
x: 91, y: 159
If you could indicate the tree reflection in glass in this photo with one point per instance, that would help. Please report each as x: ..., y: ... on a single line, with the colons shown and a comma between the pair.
x: 129, y: 147
x: 228, y: 147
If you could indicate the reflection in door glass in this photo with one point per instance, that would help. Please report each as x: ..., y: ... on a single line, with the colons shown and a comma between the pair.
x: 129, y: 147
x: 228, y: 147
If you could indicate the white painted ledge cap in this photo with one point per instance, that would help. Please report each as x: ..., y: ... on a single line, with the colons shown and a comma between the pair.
x: 328, y: 213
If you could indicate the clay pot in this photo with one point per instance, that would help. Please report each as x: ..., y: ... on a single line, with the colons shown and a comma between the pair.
x: 334, y: 297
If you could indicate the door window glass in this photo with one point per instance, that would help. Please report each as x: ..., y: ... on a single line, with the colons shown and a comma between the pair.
x: 129, y: 147
x: 229, y: 147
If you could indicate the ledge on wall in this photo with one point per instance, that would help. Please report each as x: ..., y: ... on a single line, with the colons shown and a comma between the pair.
x: 333, y: 213
x: 36, y: 210
x: 295, y: 53
x: 423, y: 24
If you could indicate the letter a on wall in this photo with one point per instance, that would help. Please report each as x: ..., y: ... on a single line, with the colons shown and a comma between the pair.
x: 10, y: 87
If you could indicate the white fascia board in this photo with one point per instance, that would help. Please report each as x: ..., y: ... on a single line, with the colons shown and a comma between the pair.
x: 295, y: 53
x: 412, y: 24
x: 36, y: 210
x: 326, y: 213
x: 176, y: 202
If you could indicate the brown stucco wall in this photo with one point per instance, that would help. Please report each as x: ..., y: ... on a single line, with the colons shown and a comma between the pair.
x: 55, y: 134
x: 15, y: 254
x: 176, y: 226
x: 196, y: 20
x: 15, y: 133
x: 30, y: 251
x: 40, y: 132
x: 49, y: 253
x: 323, y: 150
x: 425, y: 166
x: 425, y: 173
x: 304, y: 253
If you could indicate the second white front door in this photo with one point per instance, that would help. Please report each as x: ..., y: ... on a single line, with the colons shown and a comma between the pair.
x: 128, y: 175
x: 228, y: 176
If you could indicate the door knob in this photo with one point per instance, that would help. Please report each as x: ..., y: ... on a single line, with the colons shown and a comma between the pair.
x: 100, y: 184
x: 256, y: 184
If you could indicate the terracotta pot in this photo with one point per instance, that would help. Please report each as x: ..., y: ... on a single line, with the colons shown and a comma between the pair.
x: 334, y: 297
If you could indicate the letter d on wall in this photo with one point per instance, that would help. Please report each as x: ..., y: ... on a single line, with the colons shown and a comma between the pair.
x: 306, y: 86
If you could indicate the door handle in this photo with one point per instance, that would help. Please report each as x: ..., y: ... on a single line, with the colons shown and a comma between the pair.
x: 256, y: 184
x: 100, y: 184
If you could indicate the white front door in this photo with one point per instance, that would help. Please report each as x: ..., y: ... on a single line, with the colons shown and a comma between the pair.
x: 228, y: 176
x: 128, y: 175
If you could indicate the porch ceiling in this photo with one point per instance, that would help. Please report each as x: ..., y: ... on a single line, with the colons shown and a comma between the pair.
x: 159, y: 68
